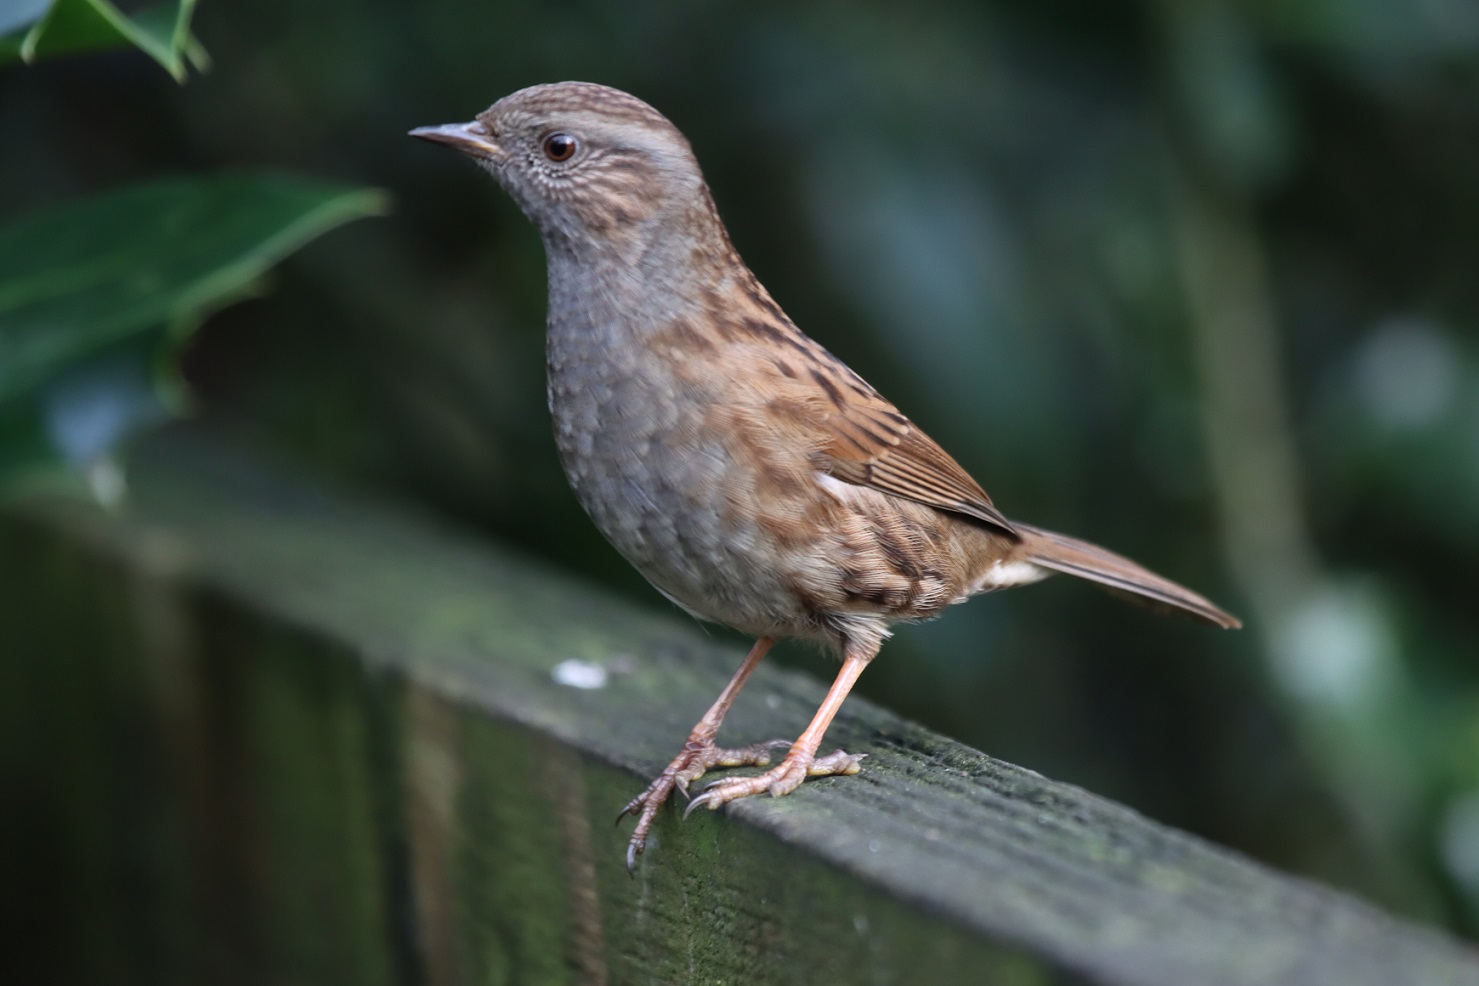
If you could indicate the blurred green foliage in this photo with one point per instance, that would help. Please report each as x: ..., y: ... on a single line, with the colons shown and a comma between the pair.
x: 32, y: 29
x: 1193, y: 280
x: 95, y: 294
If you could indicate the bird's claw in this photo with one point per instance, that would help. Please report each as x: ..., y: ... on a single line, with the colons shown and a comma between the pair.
x: 702, y: 799
x: 779, y: 780
x: 695, y: 760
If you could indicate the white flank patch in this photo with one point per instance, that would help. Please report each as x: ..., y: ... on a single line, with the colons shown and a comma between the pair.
x: 839, y: 490
x: 1004, y: 575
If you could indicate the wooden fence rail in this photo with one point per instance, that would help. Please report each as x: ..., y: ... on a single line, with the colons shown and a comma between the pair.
x: 255, y: 733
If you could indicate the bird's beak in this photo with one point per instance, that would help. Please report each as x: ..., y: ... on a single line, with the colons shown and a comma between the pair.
x: 470, y: 138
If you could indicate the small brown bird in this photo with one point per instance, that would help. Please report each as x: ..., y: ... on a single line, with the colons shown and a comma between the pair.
x: 750, y: 475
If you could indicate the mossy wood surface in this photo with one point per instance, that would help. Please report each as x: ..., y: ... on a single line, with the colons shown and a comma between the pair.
x: 253, y: 733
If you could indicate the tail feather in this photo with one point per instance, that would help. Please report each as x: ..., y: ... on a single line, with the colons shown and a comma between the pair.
x: 1117, y: 574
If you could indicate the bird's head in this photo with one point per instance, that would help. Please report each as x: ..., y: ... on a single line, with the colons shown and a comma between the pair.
x: 585, y: 162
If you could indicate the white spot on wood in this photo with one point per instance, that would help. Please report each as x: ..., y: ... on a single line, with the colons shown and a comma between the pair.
x: 580, y: 674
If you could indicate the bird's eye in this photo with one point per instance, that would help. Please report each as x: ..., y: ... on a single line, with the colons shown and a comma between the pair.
x: 559, y: 146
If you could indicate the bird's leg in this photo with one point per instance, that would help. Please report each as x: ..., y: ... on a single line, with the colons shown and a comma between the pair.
x: 801, y: 762
x: 699, y: 754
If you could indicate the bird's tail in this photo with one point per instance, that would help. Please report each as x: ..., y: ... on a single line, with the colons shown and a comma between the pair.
x: 1116, y: 574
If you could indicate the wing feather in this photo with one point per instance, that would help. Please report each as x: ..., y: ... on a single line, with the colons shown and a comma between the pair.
x: 867, y: 442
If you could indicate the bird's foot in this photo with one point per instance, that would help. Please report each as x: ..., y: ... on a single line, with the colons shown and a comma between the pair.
x: 695, y: 760
x: 780, y: 780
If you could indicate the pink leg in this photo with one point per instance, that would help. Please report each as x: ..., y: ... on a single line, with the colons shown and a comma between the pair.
x: 801, y: 762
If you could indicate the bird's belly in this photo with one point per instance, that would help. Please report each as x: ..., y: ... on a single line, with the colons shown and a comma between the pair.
x: 660, y: 493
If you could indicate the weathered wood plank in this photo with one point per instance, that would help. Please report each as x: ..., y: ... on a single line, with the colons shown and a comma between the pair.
x: 358, y: 767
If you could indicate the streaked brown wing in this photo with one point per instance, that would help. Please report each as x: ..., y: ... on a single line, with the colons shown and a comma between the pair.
x: 869, y: 443
x: 863, y: 438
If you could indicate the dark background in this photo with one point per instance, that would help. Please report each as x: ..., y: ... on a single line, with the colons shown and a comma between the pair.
x: 1193, y: 280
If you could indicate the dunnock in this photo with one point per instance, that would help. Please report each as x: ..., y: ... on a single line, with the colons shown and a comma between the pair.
x: 750, y: 475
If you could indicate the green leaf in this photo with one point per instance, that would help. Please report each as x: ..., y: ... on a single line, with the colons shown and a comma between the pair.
x: 132, y: 272
x: 78, y: 278
x: 62, y: 27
